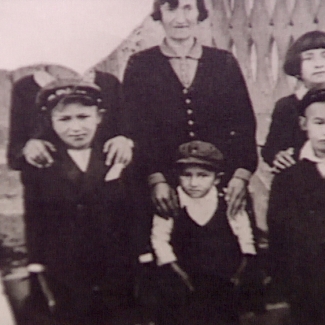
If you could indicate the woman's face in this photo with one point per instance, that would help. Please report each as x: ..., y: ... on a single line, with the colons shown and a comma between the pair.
x: 313, y: 67
x: 180, y: 22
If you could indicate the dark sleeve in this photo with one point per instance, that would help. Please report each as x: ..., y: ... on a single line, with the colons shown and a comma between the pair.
x: 33, y: 215
x: 136, y: 99
x: 279, y: 211
x: 281, y: 131
x: 116, y: 120
x: 242, y: 142
x: 24, y: 120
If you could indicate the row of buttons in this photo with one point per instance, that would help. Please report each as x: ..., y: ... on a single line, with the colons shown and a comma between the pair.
x: 189, y: 112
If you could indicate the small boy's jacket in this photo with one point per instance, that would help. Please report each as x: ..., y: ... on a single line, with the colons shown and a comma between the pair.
x: 202, y: 239
x: 296, y: 220
x: 76, y: 222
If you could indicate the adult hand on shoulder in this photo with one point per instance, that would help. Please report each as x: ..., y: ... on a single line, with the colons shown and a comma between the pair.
x: 235, y: 195
x: 37, y: 153
x: 165, y: 200
x: 283, y: 159
x: 119, y: 150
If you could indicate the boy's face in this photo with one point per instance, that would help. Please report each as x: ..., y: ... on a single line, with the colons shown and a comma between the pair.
x: 76, y: 124
x: 313, y: 67
x: 179, y: 23
x: 314, y: 124
x: 197, y: 181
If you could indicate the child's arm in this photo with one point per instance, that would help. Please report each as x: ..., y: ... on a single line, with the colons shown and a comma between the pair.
x: 241, y: 227
x: 280, y: 135
x: 160, y: 240
x: 34, y: 225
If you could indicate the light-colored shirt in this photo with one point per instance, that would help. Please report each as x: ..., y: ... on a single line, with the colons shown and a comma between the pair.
x: 307, y: 152
x: 185, y: 66
x: 200, y: 211
x: 80, y: 157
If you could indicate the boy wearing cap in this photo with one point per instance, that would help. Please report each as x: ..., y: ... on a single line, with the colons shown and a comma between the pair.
x: 75, y: 210
x: 199, y: 253
x: 296, y: 219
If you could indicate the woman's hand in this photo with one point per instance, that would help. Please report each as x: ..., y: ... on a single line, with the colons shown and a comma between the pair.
x: 37, y: 153
x: 119, y: 150
x: 235, y: 195
x: 283, y: 160
x: 165, y: 200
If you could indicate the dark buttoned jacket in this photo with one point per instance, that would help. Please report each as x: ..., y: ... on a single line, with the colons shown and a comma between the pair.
x: 216, y: 108
x: 296, y: 219
x: 76, y: 223
x: 27, y: 121
x: 285, y: 131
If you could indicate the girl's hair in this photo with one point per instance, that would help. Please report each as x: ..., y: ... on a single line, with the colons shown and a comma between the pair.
x: 309, y: 41
x: 156, y: 13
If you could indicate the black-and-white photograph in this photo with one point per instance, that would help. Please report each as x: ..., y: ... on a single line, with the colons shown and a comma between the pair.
x: 162, y: 162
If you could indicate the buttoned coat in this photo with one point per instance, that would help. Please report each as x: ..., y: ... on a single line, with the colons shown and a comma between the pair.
x: 296, y: 219
x: 27, y: 121
x: 216, y: 108
x: 77, y: 223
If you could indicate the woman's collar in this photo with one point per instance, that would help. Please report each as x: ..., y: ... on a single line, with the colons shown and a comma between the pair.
x: 195, y: 52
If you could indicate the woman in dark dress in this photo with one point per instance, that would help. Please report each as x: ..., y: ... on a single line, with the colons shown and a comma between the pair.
x: 181, y: 91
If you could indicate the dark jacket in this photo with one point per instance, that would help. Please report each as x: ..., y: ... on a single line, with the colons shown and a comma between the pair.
x: 296, y: 219
x: 27, y: 122
x: 76, y: 223
x: 284, y: 131
x: 216, y: 108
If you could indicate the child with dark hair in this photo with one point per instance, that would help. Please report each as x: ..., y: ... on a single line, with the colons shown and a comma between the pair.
x: 200, y: 253
x: 304, y: 60
x: 296, y: 219
x: 76, y: 212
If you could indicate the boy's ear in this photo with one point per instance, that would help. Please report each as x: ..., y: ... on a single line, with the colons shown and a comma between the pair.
x: 101, y: 112
x: 218, y: 178
x: 303, y: 123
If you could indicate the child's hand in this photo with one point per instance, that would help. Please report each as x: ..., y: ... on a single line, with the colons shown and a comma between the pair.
x: 165, y: 200
x: 37, y: 153
x: 283, y: 159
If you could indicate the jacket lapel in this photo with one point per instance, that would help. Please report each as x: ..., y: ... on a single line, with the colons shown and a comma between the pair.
x: 95, y: 173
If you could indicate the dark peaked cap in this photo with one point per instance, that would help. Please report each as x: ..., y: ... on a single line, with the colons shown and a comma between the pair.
x: 199, y: 152
x: 50, y: 95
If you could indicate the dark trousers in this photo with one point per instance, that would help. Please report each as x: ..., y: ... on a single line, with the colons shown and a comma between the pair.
x: 214, y: 300
x: 110, y: 303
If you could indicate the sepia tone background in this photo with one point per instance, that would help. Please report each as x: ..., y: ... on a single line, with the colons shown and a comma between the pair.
x: 258, y: 32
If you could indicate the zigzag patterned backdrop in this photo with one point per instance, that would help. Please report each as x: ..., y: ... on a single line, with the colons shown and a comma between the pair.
x: 258, y: 32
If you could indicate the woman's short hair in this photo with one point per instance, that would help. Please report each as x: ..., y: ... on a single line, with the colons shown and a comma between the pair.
x: 309, y: 41
x: 156, y: 13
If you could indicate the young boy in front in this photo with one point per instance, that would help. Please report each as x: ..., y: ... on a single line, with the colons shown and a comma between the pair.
x: 76, y: 212
x: 200, y: 252
x: 296, y: 219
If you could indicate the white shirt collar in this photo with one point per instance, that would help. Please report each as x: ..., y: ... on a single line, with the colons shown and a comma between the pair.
x: 80, y: 157
x: 200, y: 210
x: 307, y: 152
x: 301, y: 91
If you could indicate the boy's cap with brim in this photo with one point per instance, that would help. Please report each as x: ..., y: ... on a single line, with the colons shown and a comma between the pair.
x: 312, y: 96
x: 199, y: 152
x: 50, y: 95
